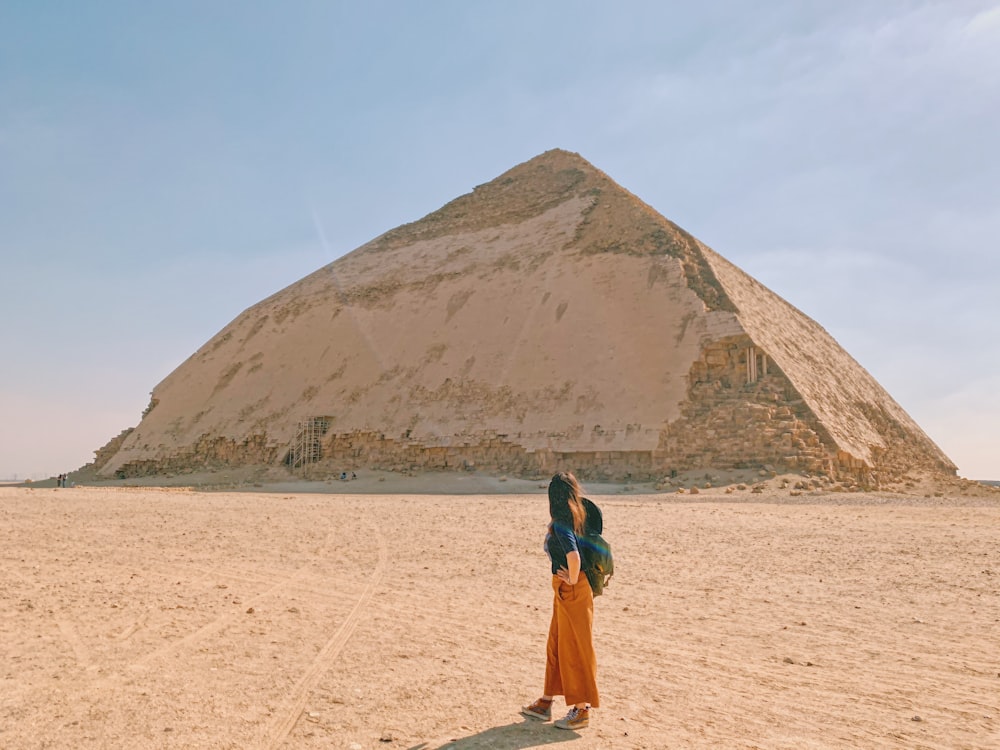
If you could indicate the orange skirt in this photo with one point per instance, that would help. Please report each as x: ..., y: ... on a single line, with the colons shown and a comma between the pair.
x: 570, y: 660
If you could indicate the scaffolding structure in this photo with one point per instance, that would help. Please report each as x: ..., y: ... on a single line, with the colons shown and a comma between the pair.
x: 307, y: 445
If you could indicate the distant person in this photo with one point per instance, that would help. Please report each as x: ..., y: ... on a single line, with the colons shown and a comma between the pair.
x: 343, y: 476
x: 570, y: 660
x: 354, y: 475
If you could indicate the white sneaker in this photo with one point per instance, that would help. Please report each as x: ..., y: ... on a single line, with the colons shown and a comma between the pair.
x: 577, y: 718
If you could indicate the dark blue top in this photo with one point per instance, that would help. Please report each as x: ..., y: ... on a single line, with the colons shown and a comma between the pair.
x: 559, y: 542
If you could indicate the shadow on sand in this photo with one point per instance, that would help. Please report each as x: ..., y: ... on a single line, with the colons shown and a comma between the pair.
x: 524, y: 734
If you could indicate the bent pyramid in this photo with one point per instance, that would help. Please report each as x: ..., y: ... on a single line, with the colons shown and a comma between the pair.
x: 548, y: 319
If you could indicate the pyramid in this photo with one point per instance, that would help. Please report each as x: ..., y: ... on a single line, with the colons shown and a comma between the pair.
x: 548, y: 319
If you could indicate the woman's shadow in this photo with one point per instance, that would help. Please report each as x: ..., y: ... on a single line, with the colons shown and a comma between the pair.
x: 523, y: 734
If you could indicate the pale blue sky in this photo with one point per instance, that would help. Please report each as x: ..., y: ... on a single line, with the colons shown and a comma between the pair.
x: 165, y: 166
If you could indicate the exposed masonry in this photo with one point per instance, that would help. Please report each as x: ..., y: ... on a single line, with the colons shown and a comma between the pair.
x: 739, y: 404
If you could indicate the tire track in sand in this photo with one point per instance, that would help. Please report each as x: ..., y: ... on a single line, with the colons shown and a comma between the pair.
x: 82, y: 654
x: 287, y: 716
x: 213, y: 626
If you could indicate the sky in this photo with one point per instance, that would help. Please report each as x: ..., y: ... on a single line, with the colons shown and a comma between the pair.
x: 164, y: 166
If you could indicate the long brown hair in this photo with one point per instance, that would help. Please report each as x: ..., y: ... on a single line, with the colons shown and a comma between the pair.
x: 565, y: 503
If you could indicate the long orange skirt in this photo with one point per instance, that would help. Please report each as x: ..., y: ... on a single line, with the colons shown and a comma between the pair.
x: 570, y: 660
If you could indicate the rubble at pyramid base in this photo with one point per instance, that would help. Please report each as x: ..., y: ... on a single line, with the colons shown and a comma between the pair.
x: 730, y: 420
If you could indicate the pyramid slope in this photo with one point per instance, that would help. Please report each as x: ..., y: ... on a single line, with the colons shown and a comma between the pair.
x: 862, y: 419
x: 546, y: 317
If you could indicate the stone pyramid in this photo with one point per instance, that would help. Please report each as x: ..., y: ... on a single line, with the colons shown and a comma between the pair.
x: 548, y: 319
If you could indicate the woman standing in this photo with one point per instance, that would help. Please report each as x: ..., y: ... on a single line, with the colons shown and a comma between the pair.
x: 570, y: 661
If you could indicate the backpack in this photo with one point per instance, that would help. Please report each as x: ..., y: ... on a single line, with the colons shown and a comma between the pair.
x: 595, y: 553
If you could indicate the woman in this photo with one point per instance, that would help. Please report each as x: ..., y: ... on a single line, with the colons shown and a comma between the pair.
x: 570, y: 662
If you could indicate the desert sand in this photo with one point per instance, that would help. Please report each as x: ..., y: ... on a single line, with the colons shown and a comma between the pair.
x: 139, y: 617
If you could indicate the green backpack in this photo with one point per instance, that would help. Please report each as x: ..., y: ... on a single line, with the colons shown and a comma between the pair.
x: 595, y: 553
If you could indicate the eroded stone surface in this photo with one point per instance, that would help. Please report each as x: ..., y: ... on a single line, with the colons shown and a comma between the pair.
x: 547, y: 319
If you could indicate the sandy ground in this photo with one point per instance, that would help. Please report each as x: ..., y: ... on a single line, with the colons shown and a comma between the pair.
x: 169, y: 618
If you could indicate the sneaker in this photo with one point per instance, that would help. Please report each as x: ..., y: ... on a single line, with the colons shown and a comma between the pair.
x: 577, y: 718
x: 540, y: 709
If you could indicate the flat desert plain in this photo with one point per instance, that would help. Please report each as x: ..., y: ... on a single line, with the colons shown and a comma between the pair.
x: 170, y: 618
